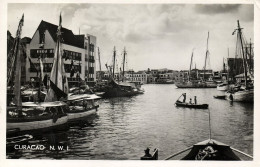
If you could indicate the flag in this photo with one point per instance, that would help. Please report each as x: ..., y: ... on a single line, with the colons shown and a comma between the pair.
x: 32, y: 66
x: 59, y: 28
x: 22, y: 20
x: 58, y: 80
x: 60, y: 20
x: 233, y: 33
x: 45, y: 80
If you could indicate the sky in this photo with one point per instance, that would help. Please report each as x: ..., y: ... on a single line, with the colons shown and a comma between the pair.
x: 155, y: 35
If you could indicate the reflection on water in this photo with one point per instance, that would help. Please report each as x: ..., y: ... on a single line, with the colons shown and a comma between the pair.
x: 124, y: 127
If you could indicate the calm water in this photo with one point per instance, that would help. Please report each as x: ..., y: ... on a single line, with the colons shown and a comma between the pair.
x: 124, y: 127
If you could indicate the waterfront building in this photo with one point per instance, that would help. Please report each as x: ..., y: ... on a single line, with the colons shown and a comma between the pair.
x: 168, y: 75
x: 139, y: 77
x: 183, y: 75
x: 161, y: 75
x: 151, y: 78
x: 77, y: 49
x: 206, y: 74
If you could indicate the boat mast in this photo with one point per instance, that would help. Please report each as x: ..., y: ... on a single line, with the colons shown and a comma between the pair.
x: 124, y: 65
x: 224, y: 68
x: 40, y: 81
x: 14, y: 51
x: 79, y: 77
x: 190, y: 65
x: 114, y: 62
x: 17, y: 80
x: 209, y: 126
x: 228, y: 68
x: 100, y: 78
x: 206, y: 57
x: 250, y: 55
x: 58, y: 81
x: 99, y: 59
x: 244, y: 61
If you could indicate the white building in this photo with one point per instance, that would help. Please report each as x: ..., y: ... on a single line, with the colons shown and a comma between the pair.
x: 138, y: 77
x: 77, y: 48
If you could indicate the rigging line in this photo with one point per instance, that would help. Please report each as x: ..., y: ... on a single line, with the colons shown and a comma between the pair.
x: 209, y: 126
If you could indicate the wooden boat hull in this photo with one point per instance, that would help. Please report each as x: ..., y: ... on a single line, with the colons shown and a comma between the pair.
x: 123, y: 89
x: 117, y: 92
x: 28, y: 125
x: 79, y: 115
x: 210, y: 150
x: 195, y: 85
x: 241, y: 96
x: 223, y: 151
x: 222, y: 87
x: 187, y: 105
x: 220, y: 96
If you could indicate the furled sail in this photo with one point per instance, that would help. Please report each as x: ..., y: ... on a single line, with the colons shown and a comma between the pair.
x: 17, y: 61
x: 58, y: 80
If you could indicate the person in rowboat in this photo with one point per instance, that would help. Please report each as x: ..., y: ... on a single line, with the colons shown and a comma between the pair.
x: 184, y: 97
x: 195, y: 99
x: 190, y: 101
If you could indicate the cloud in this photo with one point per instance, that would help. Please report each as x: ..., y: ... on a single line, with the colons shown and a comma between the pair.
x: 217, y: 8
x: 132, y: 22
x: 161, y: 35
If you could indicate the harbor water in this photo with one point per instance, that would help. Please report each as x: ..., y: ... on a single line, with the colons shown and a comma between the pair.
x: 124, y: 127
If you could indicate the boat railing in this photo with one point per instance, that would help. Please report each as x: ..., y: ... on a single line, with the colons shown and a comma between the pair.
x: 241, y: 152
x: 180, y: 152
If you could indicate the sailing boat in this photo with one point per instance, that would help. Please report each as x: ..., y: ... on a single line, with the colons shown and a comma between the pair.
x: 245, y: 93
x: 224, y: 85
x: 195, y: 83
x: 22, y: 117
x: 117, y: 88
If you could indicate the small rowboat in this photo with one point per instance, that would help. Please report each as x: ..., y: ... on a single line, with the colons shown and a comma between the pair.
x: 220, y: 97
x: 188, y: 105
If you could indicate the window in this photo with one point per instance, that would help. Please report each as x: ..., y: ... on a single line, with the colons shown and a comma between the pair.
x: 42, y: 36
x: 44, y: 53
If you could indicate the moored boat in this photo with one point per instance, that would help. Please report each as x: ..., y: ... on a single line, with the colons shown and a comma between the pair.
x: 244, y: 93
x: 81, y: 106
x: 222, y: 87
x: 197, y: 82
x: 28, y: 116
x: 37, y: 116
x: 120, y: 88
x: 220, y: 96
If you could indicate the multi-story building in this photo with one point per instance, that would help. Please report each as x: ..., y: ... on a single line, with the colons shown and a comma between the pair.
x: 79, y: 49
x: 139, y: 77
x: 90, y: 56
